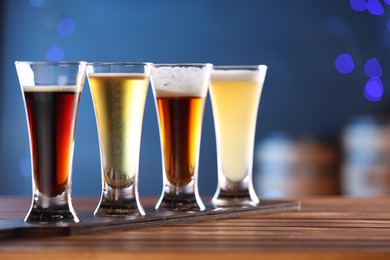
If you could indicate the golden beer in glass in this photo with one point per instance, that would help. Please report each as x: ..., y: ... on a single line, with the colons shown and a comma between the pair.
x: 119, y: 93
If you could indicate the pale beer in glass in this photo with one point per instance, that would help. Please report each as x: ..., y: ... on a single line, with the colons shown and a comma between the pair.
x: 235, y: 94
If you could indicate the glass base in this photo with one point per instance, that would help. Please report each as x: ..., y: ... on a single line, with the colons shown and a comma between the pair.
x: 127, y: 208
x: 235, y: 199
x: 182, y: 202
x: 119, y: 202
x: 51, y: 211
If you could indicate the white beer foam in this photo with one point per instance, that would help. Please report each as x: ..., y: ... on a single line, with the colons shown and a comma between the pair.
x: 256, y: 76
x: 168, y: 81
x: 52, y: 88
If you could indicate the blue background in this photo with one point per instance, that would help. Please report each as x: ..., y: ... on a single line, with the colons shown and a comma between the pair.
x: 299, y: 41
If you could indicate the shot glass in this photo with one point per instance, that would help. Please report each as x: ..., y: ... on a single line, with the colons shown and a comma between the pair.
x: 119, y: 93
x: 51, y: 94
x: 235, y: 93
x: 180, y: 92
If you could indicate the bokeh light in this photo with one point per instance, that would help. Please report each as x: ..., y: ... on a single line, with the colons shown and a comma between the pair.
x: 373, y: 90
x: 373, y: 68
x: 344, y: 63
x: 358, y: 5
x: 65, y: 26
x: 55, y: 54
x: 37, y: 3
x: 375, y: 7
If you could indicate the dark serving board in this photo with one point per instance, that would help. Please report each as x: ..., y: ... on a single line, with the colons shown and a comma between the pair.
x: 16, y: 228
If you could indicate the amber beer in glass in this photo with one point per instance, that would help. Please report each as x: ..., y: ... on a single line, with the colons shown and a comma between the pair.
x: 180, y: 92
x: 119, y: 93
x: 51, y: 92
x: 235, y: 94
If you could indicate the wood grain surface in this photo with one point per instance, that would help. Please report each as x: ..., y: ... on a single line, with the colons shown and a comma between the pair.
x: 324, y: 228
x: 17, y: 228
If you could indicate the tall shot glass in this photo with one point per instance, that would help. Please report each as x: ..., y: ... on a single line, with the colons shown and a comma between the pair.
x: 180, y: 92
x: 235, y: 94
x: 51, y: 93
x: 119, y: 93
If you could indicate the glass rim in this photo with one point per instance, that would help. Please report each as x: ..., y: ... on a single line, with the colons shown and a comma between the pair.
x: 107, y: 63
x: 240, y: 67
x: 51, y: 62
x: 183, y: 65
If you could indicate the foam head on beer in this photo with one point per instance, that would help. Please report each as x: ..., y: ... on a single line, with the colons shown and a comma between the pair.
x: 52, y: 88
x: 176, y: 81
x: 256, y: 76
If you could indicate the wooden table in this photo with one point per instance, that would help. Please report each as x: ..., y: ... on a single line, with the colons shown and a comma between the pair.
x: 325, y: 228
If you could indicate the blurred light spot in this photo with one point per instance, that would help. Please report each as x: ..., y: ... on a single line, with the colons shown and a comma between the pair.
x: 55, y: 54
x: 65, y: 27
x: 37, y: 3
x: 387, y: 2
x: 375, y: 7
x: 344, y: 63
x: 358, y: 5
x: 373, y: 68
x: 373, y: 90
x: 335, y: 26
x: 25, y: 167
